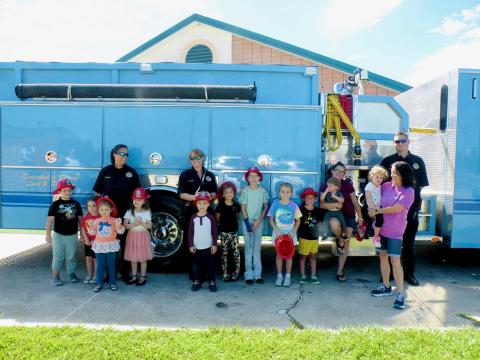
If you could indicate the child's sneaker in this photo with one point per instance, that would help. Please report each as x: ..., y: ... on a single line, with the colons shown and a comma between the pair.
x: 88, y: 279
x: 400, y: 301
x: 73, y: 278
x: 303, y: 280
x: 212, y: 286
x: 377, y: 242
x: 287, y: 281
x: 56, y: 281
x: 279, y: 280
x: 314, y: 280
x: 382, y: 290
x: 196, y: 286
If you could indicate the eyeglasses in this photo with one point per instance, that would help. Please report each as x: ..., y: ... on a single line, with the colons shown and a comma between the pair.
x: 122, y: 154
x: 340, y: 171
x: 198, y: 157
x: 400, y: 141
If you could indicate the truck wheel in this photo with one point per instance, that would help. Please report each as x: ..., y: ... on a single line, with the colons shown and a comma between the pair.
x: 167, y: 234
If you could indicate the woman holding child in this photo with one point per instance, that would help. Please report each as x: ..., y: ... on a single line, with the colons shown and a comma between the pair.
x: 397, y: 198
x: 348, y: 207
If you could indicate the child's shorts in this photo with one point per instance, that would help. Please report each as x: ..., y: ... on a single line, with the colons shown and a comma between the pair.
x: 89, y: 251
x: 336, y: 215
x: 306, y: 247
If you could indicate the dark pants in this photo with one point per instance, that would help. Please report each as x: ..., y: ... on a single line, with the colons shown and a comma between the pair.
x: 408, y: 250
x: 122, y: 264
x: 105, y: 263
x: 203, y: 259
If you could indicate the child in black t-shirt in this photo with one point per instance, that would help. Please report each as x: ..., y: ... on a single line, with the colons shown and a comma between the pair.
x: 227, y: 220
x: 308, y: 234
x: 65, y: 214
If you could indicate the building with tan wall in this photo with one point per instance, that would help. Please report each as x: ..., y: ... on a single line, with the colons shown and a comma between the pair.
x: 202, y: 39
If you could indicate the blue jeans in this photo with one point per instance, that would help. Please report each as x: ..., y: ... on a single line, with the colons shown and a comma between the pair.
x: 105, y: 262
x: 252, y: 248
x: 64, y: 248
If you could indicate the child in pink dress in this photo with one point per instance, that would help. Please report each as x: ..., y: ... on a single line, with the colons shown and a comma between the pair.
x: 138, y: 248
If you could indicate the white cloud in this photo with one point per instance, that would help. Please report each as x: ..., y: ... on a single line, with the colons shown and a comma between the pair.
x: 449, y: 27
x: 87, y: 30
x: 458, y: 55
x: 455, y: 23
x: 473, y: 33
x: 471, y: 14
x: 343, y: 18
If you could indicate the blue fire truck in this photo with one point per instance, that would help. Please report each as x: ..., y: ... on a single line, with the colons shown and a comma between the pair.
x: 61, y: 120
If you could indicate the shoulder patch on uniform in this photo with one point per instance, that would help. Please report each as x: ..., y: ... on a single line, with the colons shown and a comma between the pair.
x: 416, y: 166
x: 208, y: 178
x: 128, y: 174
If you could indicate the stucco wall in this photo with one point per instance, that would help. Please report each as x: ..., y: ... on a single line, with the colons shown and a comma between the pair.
x: 175, y: 47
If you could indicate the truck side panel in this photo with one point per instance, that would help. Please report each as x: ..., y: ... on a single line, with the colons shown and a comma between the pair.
x: 169, y: 131
x: 41, y: 144
x: 466, y: 206
x: 289, y: 138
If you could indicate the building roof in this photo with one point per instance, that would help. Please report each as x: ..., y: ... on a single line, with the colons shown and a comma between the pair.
x: 307, y: 54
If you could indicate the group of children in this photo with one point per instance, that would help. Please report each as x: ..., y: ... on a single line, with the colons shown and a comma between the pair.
x: 99, y: 231
x: 292, y: 225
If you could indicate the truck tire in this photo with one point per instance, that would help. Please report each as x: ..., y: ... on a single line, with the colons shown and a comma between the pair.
x: 167, y: 234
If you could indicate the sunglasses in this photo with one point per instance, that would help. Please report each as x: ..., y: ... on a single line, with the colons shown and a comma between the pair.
x: 400, y: 141
x: 122, y: 154
x: 198, y: 157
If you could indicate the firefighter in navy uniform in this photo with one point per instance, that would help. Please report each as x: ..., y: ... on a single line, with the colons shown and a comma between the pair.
x: 194, y: 180
x: 401, y: 143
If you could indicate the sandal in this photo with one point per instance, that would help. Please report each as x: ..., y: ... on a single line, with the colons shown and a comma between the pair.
x: 141, y: 282
x: 341, y: 278
x: 132, y: 280
x: 113, y: 287
x: 227, y: 278
x: 97, y: 288
x: 340, y: 248
x: 234, y: 277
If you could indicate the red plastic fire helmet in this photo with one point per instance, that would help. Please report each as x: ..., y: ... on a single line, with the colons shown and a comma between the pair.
x: 202, y: 195
x: 112, y: 204
x: 285, y: 247
x: 360, y: 235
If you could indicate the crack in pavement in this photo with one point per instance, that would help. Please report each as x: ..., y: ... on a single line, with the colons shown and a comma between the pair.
x: 286, y: 311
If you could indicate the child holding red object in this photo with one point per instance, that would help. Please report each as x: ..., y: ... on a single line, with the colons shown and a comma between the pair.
x: 284, y: 217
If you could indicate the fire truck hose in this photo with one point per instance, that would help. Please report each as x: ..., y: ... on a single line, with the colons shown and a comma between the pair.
x: 335, y: 114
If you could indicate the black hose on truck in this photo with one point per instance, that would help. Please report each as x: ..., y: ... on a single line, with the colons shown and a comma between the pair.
x: 215, y: 93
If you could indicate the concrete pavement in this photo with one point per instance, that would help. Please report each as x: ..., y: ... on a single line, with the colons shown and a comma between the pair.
x: 449, y: 287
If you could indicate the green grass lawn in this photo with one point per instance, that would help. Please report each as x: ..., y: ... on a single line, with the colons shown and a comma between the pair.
x: 237, y: 343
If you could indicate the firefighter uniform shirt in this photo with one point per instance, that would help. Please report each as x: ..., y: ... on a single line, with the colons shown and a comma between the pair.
x: 190, y: 183
x: 118, y: 185
x: 66, y: 213
x: 419, y: 172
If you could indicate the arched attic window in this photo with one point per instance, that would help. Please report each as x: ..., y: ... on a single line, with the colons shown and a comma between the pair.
x: 199, y: 54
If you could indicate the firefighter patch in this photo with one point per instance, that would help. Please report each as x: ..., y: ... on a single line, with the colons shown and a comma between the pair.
x: 416, y: 166
x: 208, y: 178
x: 128, y: 174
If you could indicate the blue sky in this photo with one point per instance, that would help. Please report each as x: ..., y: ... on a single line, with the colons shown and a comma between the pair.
x: 409, y: 41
